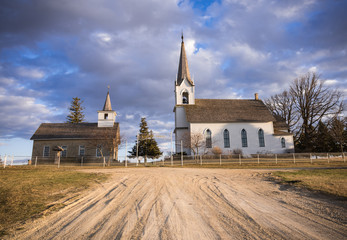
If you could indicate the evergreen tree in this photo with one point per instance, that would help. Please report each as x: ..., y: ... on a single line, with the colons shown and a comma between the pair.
x: 147, y: 145
x: 323, y: 141
x: 76, y: 111
x: 338, y: 132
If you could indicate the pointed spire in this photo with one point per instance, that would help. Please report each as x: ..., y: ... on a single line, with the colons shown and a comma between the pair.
x: 183, y: 70
x: 107, y: 105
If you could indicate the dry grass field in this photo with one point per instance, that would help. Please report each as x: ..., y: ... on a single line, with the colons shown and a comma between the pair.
x: 192, y: 203
x: 27, y: 192
x: 331, y: 181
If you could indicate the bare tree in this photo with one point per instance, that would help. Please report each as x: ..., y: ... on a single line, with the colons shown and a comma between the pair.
x: 313, y: 102
x: 195, y: 141
x: 106, y: 143
x: 282, y: 105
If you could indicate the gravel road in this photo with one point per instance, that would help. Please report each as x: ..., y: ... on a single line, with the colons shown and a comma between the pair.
x: 173, y: 203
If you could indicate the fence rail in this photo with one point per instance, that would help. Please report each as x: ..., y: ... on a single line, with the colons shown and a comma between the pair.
x: 235, y: 159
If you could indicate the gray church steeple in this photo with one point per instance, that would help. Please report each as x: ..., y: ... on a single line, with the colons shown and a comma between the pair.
x: 184, y: 86
x: 183, y: 70
x: 107, y: 116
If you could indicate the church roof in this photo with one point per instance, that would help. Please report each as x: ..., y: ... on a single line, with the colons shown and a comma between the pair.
x: 107, y: 105
x: 227, y: 110
x: 183, y: 70
x: 280, y: 126
x: 50, y: 131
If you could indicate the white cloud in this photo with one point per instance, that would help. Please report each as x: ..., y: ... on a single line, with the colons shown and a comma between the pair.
x: 160, y: 124
x: 330, y: 82
x: 34, y: 73
x: 6, y: 81
x: 129, y: 116
x: 313, y: 69
x: 292, y: 10
x: 102, y: 38
x: 246, y: 53
x: 22, y: 114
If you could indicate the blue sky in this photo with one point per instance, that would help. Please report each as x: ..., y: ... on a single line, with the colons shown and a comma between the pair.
x: 52, y: 51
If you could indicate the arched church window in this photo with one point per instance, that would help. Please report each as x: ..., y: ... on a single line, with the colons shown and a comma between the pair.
x: 208, y: 136
x: 226, y: 139
x: 261, y: 138
x: 185, y: 98
x: 244, y: 138
x: 283, y: 142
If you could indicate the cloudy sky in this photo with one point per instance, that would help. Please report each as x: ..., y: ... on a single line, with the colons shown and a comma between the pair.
x: 52, y: 51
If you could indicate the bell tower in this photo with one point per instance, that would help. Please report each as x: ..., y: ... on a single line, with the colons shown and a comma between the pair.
x: 184, y: 95
x: 107, y: 116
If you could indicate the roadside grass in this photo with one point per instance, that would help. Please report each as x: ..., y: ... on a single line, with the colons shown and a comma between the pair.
x: 27, y: 192
x: 331, y: 181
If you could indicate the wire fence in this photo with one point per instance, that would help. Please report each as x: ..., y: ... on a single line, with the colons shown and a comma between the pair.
x: 258, y: 159
x: 178, y: 160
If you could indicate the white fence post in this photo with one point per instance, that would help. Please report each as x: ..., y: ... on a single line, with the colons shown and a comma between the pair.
x: 220, y: 159
x: 12, y: 160
x: 240, y: 158
x: 126, y: 150
x: 35, y: 161
x: 104, y: 161
x: 82, y: 161
x: 181, y: 153
x: 5, y: 159
x: 294, y: 157
x: 276, y: 158
x: 328, y: 157
x: 200, y: 160
x: 258, y: 158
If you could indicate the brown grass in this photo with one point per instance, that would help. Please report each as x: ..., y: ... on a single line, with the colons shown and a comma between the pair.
x: 27, y: 192
x: 331, y: 181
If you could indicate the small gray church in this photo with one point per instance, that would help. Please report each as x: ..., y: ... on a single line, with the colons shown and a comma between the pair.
x: 73, y: 142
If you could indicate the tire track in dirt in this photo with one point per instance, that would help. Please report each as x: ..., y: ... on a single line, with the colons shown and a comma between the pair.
x: 167, y: 203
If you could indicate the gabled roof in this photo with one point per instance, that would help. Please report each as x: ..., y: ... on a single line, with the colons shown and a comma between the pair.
x: 107, y: 105
x: 227, y: 110
x: 280, y: 126
x: 50, y: 131
x: 183, y: 70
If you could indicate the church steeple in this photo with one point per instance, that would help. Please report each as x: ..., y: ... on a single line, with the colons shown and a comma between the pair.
x: 184, y: 86
x: 183, y: 70
x: 107, y: 105
x: 107, y: 116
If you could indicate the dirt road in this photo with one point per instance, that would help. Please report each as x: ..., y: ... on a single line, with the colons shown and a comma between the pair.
x: 166, y: 203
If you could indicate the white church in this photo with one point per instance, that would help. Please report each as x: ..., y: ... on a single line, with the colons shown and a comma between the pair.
x: 230, y: 124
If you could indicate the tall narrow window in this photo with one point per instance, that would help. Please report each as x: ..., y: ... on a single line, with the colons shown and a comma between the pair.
x: 64, y: 152
x: 226, y: 139
x: 208, y: 136
x: 261, y: 138
x: 46, y: 151
x: 244, y: 138
x: 185, y: 98
x: 106, y: 116
x: 82, y: 150
x: 98, y: 151
x: 283, y: 143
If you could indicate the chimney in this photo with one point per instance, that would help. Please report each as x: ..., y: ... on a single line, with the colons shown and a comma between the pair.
x: 256, y: 97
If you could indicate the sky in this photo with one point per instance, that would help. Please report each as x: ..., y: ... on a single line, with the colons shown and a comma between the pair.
x: 52, y: 51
